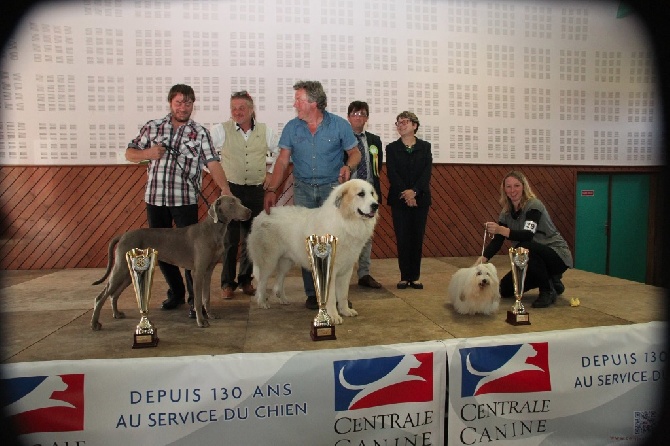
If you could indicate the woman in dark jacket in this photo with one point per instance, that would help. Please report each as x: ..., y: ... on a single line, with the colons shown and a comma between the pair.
x: 408, y: 164
x: 525, y: 221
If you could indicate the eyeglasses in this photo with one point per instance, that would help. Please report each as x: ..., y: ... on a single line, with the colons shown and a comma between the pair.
x: 186, y: 103
x: 402, y: 122
x: 241, y: 94
x: 359, y: 114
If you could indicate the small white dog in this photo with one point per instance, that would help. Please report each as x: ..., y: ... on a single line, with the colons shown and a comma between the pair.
x: 475, y: 289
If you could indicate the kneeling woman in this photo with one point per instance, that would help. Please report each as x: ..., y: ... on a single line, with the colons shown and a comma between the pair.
x: 525, y: 221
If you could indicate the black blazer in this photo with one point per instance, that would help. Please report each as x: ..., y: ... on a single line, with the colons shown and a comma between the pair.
x: 409, y: 171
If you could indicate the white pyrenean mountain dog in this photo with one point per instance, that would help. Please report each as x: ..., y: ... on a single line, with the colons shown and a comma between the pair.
x: 475, y: 289
x: 277, y: 241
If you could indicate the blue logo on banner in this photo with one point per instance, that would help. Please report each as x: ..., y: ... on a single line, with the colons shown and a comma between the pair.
x: 519, y: 368
x: 364, y: 383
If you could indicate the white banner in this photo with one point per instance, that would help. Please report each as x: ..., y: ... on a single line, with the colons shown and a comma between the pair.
x: 593, y: 386
x: 357, y: 396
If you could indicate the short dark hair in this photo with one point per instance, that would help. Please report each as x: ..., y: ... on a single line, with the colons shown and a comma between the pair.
x: 314, y: 91
x: 184, y: 89
x: 411, y: 116
x: 358, y: 105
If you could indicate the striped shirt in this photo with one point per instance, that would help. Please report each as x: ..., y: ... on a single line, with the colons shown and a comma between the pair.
x: 176, y: 178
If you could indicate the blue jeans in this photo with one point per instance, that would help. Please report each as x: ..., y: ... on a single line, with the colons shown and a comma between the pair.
x: 310, y: 196
x: 364, y: 259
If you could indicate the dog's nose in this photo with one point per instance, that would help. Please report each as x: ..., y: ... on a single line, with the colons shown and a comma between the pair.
x: 374, y: 206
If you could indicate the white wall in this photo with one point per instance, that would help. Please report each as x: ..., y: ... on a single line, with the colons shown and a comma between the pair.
x: 493, y: 82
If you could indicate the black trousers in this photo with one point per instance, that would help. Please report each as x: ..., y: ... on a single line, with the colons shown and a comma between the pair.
x: 251, y: 197
x: 409, y: 225
x: 163, y: 217
x: 543, y: 262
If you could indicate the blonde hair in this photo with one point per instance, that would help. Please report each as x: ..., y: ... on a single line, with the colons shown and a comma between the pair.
x: 526, y: 195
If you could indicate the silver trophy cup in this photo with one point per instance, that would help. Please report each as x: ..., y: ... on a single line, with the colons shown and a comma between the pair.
x: 519, y: 260
x: 321, y: 252
x: 141, y: 263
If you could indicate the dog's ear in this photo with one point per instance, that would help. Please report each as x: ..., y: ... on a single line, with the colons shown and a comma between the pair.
x: 338, y: 199
x: 212, y: 211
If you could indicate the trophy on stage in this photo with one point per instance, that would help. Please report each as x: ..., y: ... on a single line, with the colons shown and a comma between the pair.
x: 321, y: 253
x: 519, y: 259
x: 141, y: 263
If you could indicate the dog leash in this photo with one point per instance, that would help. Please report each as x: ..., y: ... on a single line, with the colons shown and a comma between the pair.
x: 174, y: 152
x: 484, y: 242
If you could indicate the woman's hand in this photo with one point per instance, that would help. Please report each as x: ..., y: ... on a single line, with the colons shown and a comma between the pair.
x: 409, y: 197
x: 494, y: 228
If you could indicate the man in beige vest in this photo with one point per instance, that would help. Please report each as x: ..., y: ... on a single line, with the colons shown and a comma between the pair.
x: 247, y: 149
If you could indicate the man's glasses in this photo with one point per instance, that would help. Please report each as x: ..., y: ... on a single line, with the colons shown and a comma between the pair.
x: 359, y: 114
x: 186, y: 103
x: 402, y: 122
x: 241, y: 94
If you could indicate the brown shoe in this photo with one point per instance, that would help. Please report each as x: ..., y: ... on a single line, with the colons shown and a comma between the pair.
x: 368, y: 281
x: 248, y: 289
x: 227, y: 292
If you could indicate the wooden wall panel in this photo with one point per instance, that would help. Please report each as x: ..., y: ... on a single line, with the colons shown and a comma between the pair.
x: 63, y: 217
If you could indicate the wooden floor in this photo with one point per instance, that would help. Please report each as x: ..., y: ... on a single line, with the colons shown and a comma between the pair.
x: 46, y: 314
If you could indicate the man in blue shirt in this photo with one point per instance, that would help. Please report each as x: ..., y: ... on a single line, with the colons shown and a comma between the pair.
x: 316, y: 142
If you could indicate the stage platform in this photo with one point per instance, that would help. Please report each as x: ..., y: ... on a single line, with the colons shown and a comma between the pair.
x: 46, y: 315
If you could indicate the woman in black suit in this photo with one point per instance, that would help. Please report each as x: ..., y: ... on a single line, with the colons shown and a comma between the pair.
x: 408, y: 164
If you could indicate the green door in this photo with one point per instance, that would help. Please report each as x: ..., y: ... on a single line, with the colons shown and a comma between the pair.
x: 612, y: 224
x: 591, y: 232
x: 630, y: 222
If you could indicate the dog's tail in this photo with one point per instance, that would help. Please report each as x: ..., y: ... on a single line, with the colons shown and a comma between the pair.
x: 110, y: 258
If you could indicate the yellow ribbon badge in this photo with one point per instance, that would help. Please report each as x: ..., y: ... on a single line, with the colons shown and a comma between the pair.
x: 374, y: 151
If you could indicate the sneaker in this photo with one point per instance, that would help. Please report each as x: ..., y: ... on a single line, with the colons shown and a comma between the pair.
x: 402, y: 284
x: 311, y: 303
x: 545, y: 299
x: 558, y: 285
x: 227, y: 292
x: 369, y: 282
x: 248, y: 289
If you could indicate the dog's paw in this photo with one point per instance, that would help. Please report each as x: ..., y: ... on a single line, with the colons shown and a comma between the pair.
x: 96, y: 326
x: 203, y: 324
x: 263, y: 303
x: 283, y: 300
x: 349, y: 312
x: 119, y: 315
x: 337, y: 319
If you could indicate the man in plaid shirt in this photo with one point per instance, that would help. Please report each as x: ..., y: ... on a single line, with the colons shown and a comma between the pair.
x: 177, y: 149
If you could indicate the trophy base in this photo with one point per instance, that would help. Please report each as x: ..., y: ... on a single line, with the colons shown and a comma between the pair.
x: 518, y: 318
x: 146, y: 340
x: 322, y: 333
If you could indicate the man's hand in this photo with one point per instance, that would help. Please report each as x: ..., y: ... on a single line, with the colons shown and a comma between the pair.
x: 226, y: 191
x: 345, y: 174
x: 269, y: 200
x: 155, y: 152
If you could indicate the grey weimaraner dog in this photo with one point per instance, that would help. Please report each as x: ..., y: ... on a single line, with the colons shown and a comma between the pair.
x: 198, y: 247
